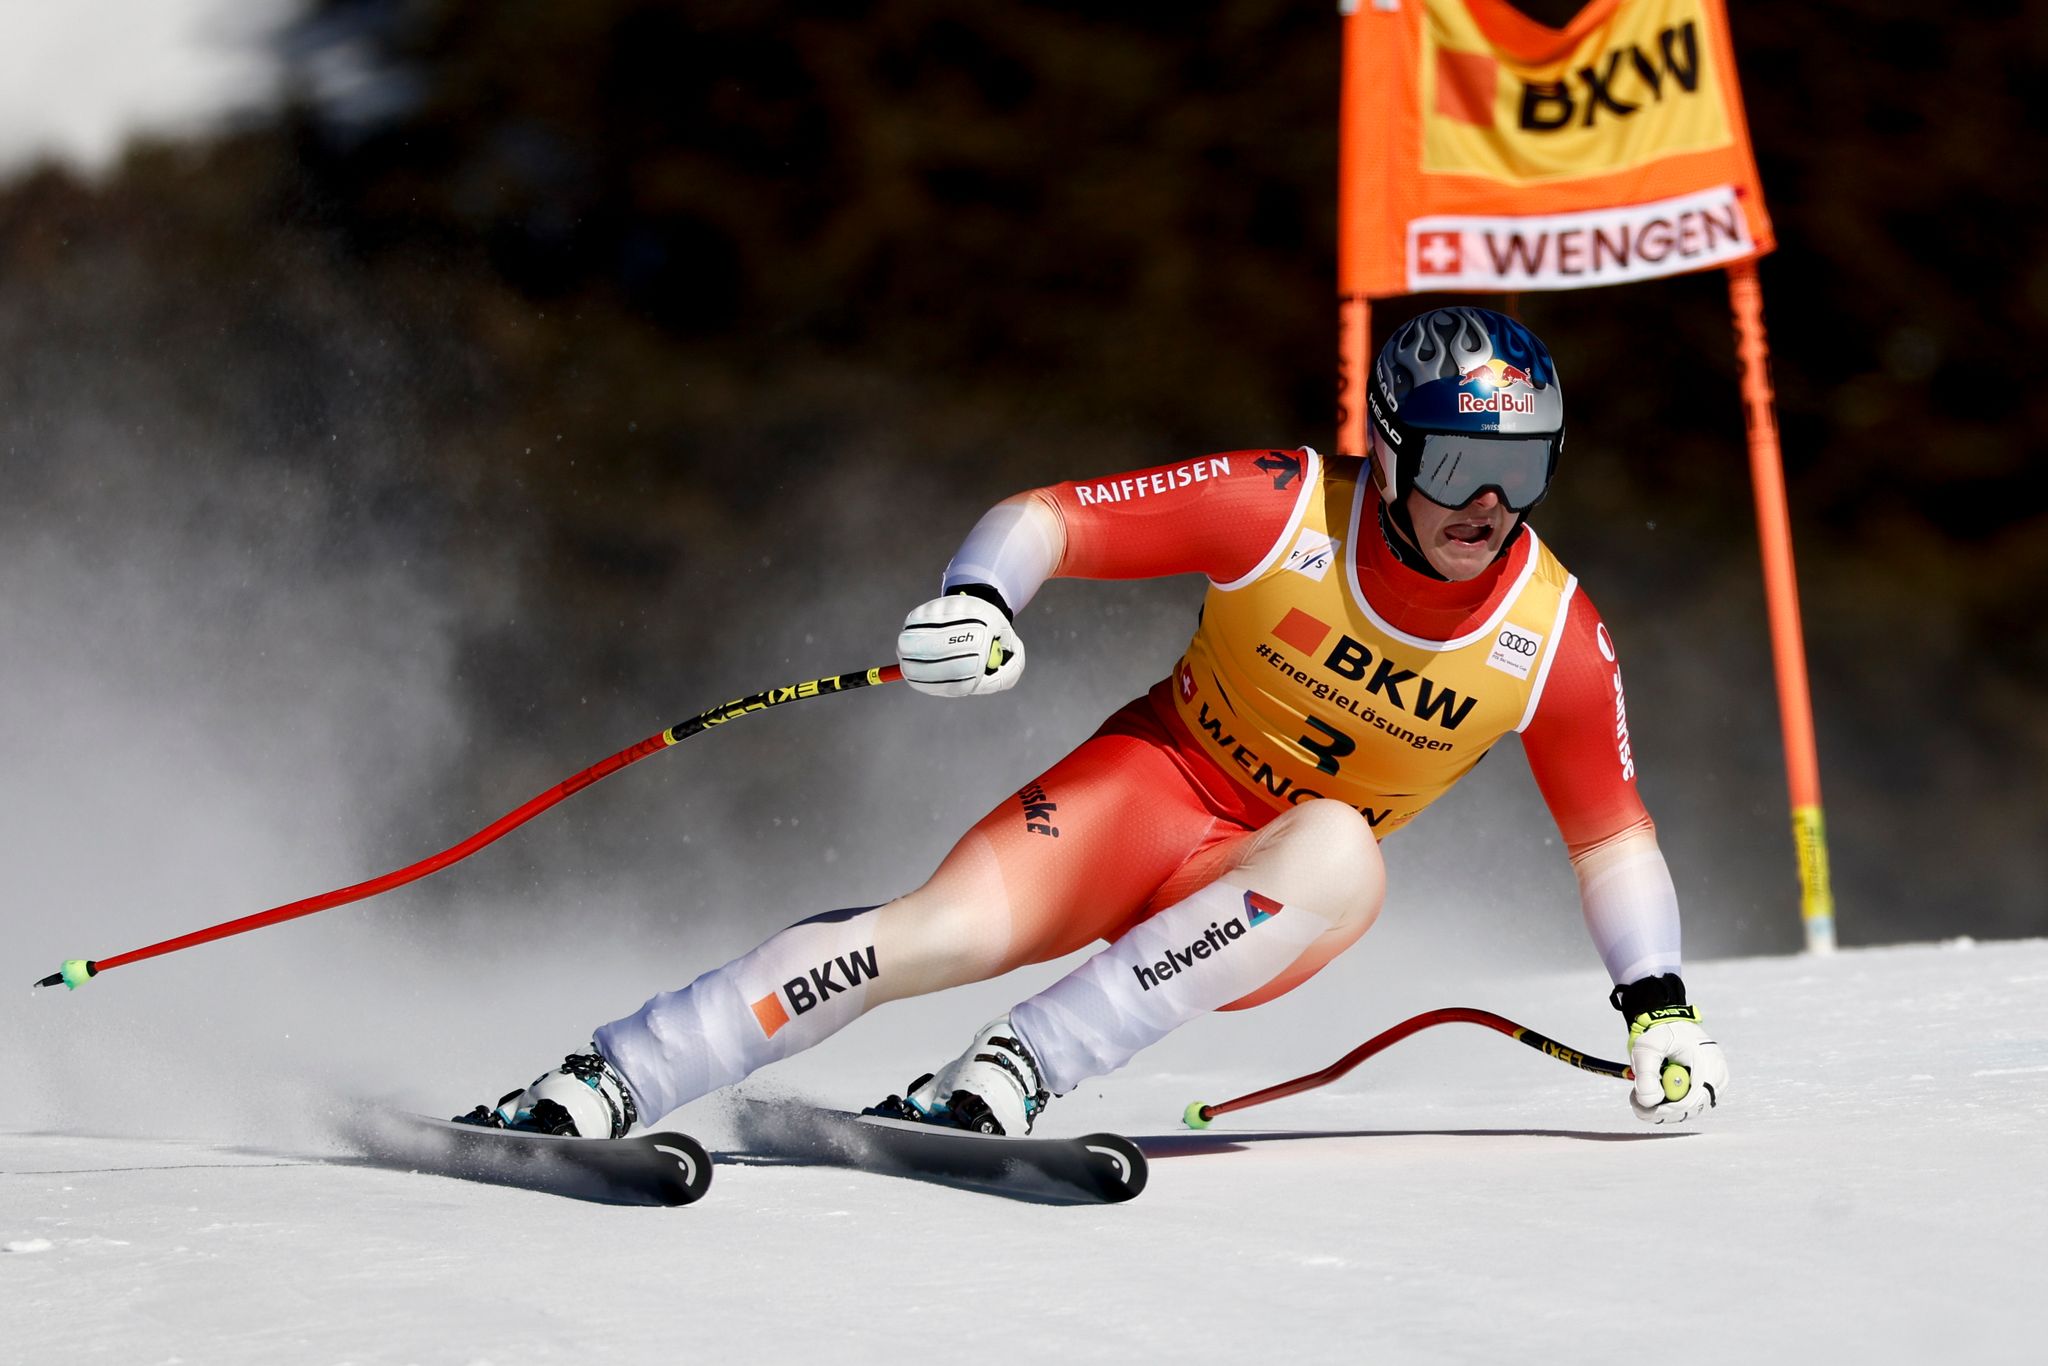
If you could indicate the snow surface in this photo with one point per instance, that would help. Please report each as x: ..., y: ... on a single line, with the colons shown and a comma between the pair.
x: 1873, y: 1190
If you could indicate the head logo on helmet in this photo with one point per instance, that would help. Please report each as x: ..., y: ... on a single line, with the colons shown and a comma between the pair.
x: 1463, y: 400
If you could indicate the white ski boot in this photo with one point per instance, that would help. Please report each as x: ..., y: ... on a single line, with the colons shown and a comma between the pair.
x: 993, y: 1088
x: 583, y: 1098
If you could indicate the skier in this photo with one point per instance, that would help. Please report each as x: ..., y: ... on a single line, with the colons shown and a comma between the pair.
x: 1371, y: 629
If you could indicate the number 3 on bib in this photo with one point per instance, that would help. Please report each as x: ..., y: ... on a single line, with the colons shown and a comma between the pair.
x: 1327, y: 752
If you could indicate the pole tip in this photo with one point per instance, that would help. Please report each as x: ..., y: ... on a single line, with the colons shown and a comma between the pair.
x: 1196, y: 1116
x: 75, y: 973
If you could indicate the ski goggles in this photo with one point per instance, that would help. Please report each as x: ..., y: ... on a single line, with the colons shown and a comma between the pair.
x: 1452, y: 469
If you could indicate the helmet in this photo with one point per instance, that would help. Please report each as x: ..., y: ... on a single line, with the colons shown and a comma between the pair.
x: 1463, y: 400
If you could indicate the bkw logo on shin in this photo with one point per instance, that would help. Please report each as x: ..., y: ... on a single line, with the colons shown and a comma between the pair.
x: 801, y: 994
x: 1218, y: 937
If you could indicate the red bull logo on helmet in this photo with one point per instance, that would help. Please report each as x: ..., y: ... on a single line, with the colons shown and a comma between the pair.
x: 1498, y: 384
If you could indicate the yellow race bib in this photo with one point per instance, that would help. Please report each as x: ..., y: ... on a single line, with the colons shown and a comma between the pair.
x: 1297, y: 688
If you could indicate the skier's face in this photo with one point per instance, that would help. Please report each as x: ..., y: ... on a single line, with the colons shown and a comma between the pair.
x: 1461, y: 542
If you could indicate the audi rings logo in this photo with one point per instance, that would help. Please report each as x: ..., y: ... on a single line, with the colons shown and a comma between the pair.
x: 1514, y: 651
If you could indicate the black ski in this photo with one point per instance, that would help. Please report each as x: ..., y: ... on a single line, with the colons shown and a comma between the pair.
x: 662, y: 1168
x: 1094, y: 1168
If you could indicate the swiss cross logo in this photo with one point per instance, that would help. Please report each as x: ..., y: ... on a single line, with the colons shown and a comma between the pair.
x: 1439, y: 253
x: 1187, y: 683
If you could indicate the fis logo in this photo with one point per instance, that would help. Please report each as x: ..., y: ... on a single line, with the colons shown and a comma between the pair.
x: 1312, y: 556
x: 801, y: 994
x: 1501, y: 388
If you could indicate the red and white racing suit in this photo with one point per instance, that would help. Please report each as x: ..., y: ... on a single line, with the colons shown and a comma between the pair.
x: 1219, y: 831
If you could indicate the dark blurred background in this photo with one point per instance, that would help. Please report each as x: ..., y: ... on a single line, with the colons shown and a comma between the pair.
x: 670, y: 349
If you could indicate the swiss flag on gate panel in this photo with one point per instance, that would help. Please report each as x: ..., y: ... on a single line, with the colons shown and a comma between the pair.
x: 1439, y: 253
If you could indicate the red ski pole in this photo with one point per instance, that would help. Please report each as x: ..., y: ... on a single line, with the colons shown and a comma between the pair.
x: 78, y: 971
x: 1198, y: 1115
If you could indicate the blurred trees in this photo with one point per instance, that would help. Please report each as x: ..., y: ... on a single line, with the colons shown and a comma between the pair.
x: 575, y: 303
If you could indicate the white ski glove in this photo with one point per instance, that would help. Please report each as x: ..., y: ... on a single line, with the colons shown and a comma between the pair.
x: 1679, y: 1071
x: 960, y: 646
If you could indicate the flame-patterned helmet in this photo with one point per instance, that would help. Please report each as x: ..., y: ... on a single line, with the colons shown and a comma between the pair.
x: 1463, y: 400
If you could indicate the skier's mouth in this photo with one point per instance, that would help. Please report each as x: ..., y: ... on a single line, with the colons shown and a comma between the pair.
x: 1469, y: 533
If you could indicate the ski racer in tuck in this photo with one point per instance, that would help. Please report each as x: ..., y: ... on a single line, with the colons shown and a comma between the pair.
x: 1371, y: 629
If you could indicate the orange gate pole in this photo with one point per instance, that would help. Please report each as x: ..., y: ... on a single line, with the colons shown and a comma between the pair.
x: 1781, y: 592
x: 1354, y: 371
x: 1354, y: 310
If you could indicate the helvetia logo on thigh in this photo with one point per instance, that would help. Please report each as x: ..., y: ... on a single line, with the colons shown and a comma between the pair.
x: 1218, y: 937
